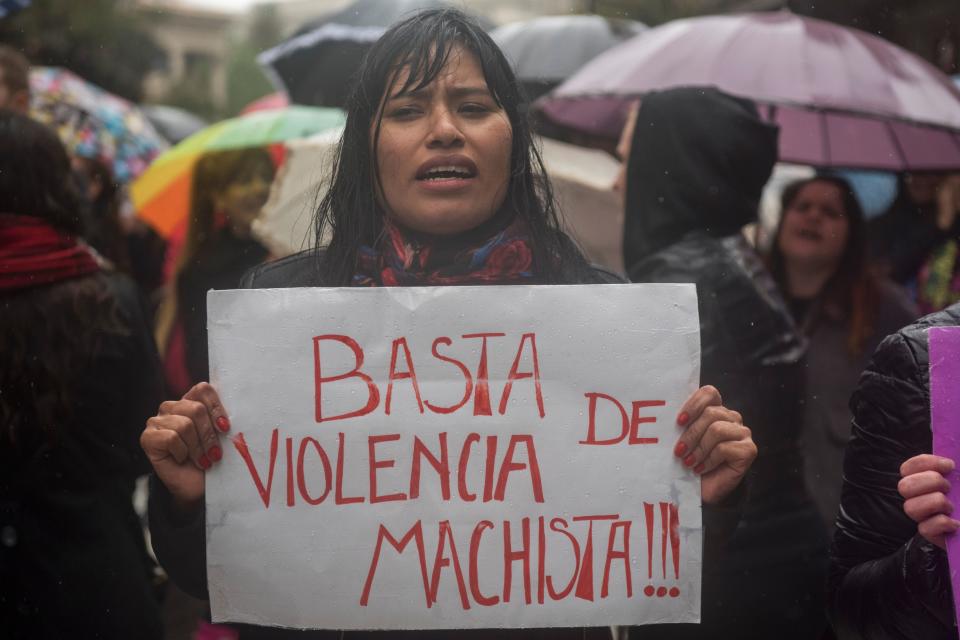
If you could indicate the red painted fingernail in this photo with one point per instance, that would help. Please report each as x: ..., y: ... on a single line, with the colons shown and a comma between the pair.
x: 689, y: 460
x: 680, y: 449
x: 698, y: 468
x: 215, y: 453
x: 683, y: 418
x: 223, y: 423
x: 204, y: 462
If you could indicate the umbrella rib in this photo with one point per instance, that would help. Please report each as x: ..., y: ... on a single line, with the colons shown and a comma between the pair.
x: 825, y: 138
x: 896, y: 144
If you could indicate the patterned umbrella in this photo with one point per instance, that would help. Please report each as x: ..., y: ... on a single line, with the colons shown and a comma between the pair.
x: 161, y: 195
x: 842, y: 97
x: 94, y: 123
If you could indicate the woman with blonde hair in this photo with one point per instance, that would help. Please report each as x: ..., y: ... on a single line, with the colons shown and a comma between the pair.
x: 229, y: 188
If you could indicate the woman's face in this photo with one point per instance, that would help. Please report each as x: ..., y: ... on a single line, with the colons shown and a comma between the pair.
x: 815, y: 226
x: 443, y: 157
x: 243, y: 198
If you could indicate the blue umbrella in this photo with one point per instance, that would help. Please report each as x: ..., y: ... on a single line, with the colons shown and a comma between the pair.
x: 10, y: 7
x: 876, y: 190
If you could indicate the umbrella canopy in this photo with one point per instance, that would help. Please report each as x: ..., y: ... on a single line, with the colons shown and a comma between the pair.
x: 94, y: 123
x: 842, y: 97
x: 316, y: 65
x: 173, y: 123
x: 276, y: 100
x: 10, y: 7
x: 547, y: 50
x: 161, y: 195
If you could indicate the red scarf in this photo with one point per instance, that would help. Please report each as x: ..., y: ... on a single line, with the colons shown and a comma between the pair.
x: 34, y: 253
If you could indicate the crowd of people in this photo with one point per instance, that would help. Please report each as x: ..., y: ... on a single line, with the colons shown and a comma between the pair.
x: 825, y: 512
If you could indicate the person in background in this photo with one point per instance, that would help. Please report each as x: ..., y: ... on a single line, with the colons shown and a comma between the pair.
x: 131, y: 244
x: 938, y: 282
x: 696, y: 163
x: 80, y: 374
x: 921, y: 219
x: 889, y: 576
x: 818, y: 259
x: 229, y: 189
x: 103, y: 230
x: 14, y: 80
x: 436, y: 182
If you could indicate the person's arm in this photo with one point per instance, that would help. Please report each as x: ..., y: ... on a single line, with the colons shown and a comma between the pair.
x: 179, y: 540
x: 886, y: 580
x: 182, y: 441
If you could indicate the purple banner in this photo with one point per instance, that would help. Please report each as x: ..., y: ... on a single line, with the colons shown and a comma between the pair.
x: 945, y: 422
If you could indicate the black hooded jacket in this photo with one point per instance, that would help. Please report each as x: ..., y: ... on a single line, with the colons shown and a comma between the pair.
x: 886, y: 581
x: 698, y: 162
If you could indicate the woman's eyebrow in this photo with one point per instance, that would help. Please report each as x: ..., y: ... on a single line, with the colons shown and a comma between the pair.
x: 456, y: 92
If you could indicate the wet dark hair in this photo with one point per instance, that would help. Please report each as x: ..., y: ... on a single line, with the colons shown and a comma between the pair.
x: 35, y: 175
x: 350, y: 212
x: 51, y: 331
x: 14, y: 69
x: 851, y: 290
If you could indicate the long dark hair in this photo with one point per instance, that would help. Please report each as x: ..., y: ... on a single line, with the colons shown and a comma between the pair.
x: 350, y: 213
x: 49, y: 332
x: 851, y: 292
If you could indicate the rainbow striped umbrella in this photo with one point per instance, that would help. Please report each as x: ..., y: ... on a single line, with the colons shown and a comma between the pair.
x: 161, y: 195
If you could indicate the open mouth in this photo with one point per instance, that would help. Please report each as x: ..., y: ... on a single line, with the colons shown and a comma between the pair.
x: 446, y: 172
x: 808, y: 234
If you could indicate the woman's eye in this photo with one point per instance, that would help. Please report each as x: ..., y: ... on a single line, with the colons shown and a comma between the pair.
x: 404, y: 112
x: 474, y: 108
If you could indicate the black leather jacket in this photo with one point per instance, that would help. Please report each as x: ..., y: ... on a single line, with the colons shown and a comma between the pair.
x: 886, y: 581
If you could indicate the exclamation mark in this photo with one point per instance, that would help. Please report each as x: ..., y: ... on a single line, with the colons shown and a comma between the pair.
x: 648, y: 590
x: 675, y: 546
x: 664, y: 529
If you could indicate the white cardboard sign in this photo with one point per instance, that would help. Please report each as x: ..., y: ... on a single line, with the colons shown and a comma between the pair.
x: 454, y: 457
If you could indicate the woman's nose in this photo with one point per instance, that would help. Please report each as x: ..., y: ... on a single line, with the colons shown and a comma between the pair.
x: 444, y: 131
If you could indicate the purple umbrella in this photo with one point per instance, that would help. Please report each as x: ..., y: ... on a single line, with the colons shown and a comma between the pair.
x: 842, y: 97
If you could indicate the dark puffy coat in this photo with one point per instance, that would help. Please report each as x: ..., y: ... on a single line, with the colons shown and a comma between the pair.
x: 886, y: 581
x: 73, y: 560
x: 698, y: 162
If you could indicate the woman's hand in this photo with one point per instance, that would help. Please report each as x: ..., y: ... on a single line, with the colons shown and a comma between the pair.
x: 182, y: 442
x: 715, y: 443
x: 924, y: 489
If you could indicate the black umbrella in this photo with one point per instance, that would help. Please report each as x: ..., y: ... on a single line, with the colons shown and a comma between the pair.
x: 316, y: 65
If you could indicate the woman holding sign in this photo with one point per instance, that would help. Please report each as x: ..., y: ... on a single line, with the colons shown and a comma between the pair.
x: 437, y: 182
x: 889, y: 576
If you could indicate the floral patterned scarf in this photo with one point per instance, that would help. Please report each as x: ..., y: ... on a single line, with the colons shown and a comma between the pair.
x: 938, y: 284
x: 400, y: 259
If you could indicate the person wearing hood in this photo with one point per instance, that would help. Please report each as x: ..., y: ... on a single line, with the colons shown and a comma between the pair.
x: 696, y: 161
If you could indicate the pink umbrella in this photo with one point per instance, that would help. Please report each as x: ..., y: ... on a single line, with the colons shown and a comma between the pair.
x: 842, y: 97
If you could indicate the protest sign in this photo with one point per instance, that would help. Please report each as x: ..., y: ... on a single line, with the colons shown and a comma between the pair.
x: 454, y: 457
x: 944, y: 344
